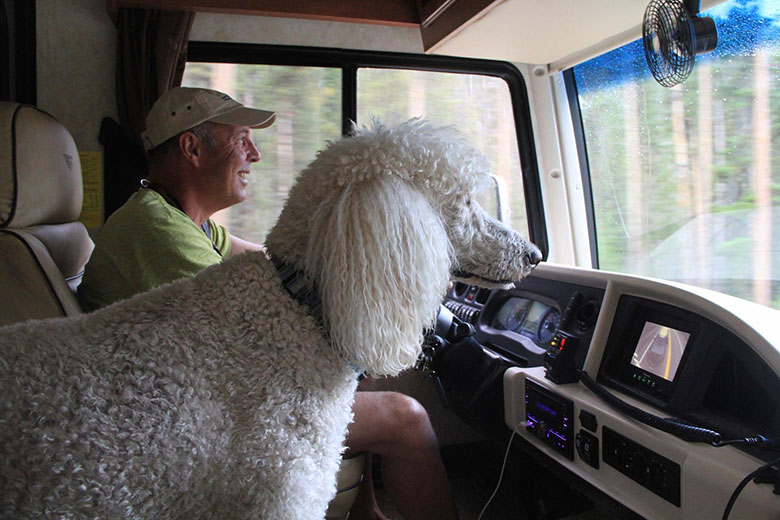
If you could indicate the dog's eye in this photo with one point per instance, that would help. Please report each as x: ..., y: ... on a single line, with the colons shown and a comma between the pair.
x: 468, y: 202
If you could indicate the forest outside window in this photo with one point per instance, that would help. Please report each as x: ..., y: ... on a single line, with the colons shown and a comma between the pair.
x: 686, y: 180
x: 308, y: 102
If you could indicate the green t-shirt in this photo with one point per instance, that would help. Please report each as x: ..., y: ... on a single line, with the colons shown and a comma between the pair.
x: 145, y: 243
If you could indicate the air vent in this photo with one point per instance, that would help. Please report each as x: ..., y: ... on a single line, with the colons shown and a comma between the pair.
x: 587, y: 314
x: 482, y: 296
x: 460, y: 289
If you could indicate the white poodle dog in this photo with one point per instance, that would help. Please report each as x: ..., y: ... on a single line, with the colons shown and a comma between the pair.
x: 223, y: 396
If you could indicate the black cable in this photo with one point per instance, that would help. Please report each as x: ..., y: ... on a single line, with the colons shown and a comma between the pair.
x: 759, y: 441
x: 678, y: 429
x: 744, y: 483
x: 500, y: 475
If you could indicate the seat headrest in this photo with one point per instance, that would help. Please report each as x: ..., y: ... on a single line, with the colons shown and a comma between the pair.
x: 40, y: 171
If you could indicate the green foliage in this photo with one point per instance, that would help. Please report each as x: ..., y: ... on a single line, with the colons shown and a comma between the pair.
x: 307, y: 101
x: 654, y: 169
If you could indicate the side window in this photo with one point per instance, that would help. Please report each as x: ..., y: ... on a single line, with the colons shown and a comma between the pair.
x: 479, y: 106
x: 307, y: 102
x: 685, y: 180
x: 316, y: 93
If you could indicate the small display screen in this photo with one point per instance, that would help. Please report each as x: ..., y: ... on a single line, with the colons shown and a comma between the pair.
x: 660, y: 350
x: 534, y: 316
x: 543, y: 407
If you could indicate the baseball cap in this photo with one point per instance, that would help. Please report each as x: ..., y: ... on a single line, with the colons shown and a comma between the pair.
x: 182, y: 108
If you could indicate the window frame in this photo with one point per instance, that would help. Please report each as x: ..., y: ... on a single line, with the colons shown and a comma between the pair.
x: 349, y: 61
x: 570, y: 86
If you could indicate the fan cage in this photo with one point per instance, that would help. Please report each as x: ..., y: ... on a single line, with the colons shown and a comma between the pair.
x: 668, y: 38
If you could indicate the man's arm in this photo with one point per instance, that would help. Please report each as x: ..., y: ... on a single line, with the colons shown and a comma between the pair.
x: 239, y: 245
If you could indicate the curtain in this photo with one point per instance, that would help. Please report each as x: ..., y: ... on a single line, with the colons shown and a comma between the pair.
x: 151, y: 55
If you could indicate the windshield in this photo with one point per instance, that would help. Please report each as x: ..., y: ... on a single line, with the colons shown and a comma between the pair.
x: 685, y: 179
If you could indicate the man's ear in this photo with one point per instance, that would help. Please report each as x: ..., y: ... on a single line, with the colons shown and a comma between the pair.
x: 190, y: 147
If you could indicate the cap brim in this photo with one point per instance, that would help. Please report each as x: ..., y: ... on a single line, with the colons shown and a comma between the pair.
x: 244, y: 116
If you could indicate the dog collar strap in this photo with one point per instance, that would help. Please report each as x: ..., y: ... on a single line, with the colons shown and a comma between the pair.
x: 295, y: 283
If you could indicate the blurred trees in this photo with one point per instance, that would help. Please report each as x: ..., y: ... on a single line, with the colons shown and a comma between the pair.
x: 683, y: 183
x: 307, y: 101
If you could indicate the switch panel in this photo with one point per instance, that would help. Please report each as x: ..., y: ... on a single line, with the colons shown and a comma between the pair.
x: 655, y: 472
x: 587, y: 448
x: 588, y: 420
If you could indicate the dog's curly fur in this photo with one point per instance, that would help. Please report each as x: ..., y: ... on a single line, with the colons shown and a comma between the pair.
x: 220, y: 396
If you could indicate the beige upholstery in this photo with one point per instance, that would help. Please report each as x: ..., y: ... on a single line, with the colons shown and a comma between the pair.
x: 349, y: 478
x: 43, y: 248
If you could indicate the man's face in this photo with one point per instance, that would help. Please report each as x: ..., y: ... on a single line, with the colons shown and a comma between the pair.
x: 227, y: 164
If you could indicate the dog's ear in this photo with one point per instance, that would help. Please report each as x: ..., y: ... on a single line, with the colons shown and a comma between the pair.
x: 380, y: 256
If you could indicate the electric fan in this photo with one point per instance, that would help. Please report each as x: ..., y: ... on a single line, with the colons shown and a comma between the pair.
x: 672, y: 35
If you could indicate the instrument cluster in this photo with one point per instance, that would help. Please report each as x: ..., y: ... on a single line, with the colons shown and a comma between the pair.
x: 530, y: 318
x: 519, y: 324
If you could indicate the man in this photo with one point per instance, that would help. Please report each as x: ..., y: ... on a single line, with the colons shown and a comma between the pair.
x: 199, y: 151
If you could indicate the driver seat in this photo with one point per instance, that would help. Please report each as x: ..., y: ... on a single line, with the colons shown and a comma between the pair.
x: 43, y: 248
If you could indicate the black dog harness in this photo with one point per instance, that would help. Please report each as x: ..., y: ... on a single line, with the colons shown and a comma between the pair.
x: 305, y: 293
x: 301, y: 289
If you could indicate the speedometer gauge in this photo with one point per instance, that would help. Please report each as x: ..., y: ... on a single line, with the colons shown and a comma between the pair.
x: 548, y: 326
x: 511, y: 314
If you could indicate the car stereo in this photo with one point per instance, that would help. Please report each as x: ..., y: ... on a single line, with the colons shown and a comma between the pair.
x: 549, y: 416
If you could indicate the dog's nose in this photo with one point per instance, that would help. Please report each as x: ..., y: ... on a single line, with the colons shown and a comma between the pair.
x: 533, y: 257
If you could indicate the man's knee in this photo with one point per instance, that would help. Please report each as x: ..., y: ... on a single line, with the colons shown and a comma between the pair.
x: 386, y: 422
x: 412, y: 425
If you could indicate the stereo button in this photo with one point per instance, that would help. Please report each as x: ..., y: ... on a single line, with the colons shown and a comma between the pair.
x: 542, y: 429
x: 637, y: 467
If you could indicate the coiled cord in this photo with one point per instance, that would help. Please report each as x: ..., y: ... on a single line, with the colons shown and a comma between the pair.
x: 672, y: 426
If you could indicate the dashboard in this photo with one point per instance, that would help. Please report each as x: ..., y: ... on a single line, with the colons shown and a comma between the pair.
x: 520, y: 323
x: 623, y: 384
